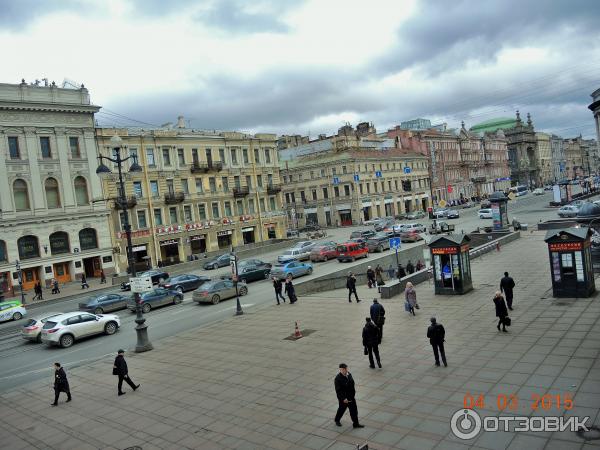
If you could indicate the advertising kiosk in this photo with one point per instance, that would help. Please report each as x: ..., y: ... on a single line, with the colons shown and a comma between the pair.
x: 451, y: 264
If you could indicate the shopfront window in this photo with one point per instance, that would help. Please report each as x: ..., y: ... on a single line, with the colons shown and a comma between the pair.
x: 88, y: 239
x: 28, y: 247
x: 3, y: 255
x: 59, y: 243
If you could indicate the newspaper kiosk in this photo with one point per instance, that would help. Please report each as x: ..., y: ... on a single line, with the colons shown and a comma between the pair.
x: 451, y: 264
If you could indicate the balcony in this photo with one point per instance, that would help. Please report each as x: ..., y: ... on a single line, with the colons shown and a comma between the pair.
x: 198, y: 167
x: 273, y: 189
x: 174, y: 197
x: 129, y: 203
x: 215, y: 165
x: 240, y: 191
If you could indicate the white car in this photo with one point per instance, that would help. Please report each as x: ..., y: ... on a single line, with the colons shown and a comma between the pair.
x: 538, y: 191
x: 485, y: 213
x: 65, y: 329
x: 568, y: 211
x: 32, y: 330
x: 417, y: 227
x: 12, y: 310
x: 294, y: 254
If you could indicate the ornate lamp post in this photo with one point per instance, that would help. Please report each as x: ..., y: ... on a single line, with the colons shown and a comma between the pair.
x: 20, y: 275
x: 141, y: 329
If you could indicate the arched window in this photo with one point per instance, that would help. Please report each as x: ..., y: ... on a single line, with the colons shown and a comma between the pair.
x: 88, y: 239
x: 81, y: 191
x: 59, y: 243
x: 28, y: 247
x: 21, y: 194
x: 52, y: 194
x: 3, y: 255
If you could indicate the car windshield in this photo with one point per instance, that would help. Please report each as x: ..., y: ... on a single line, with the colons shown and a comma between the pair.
x: 288, y: 252
x: 49, y: 325
x: 208, y: 286
x: 29, y: 323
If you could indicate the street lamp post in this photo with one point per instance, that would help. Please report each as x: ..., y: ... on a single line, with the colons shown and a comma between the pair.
x: 20, y: 275
x: 141, y: 329
x: 235, y: 276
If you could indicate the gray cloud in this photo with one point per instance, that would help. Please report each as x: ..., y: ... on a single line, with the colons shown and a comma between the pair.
x: 16, y: 14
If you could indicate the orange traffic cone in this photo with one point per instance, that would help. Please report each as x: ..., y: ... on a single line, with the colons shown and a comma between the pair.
x: 297, y: 333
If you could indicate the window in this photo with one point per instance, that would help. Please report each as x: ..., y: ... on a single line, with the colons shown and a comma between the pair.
x: 234, y: 156
x: 228, y: 209
x: 267, y: 156
x: 202, y: 211
x: 13, y: 147
x: 212, y: 183
x: 249, y: 181
x: 122, y: 220
x: 322, y: 173
x: 3, y: 254
x: 133, y: 153
x: 396, y: 184
x: 312, y: 175
x: 45, y: 147
x: 137, y: 189
x: 195, y: 159
x: 185, y: 187
x: 336, y: 191
x: 81, y: 191
x: 28, y: 247
x: 314, y: 194
x: 251, y: 206
x: 170, y: 187
x: 173, y: 214
x: 199, y: 185
x: 236, y: 182
x: 166, y: 154
x: 150, y: 157
x: 239, y: 207
x: 389, y: 185
x: 180, y: 157
x: 272, y: 203
x: 52, y: 194
x: 208, y: 153
x: 74, y: 146
x: 360, y: 188
x: 325, y: 192
x: 225, y: 184
x: 245, y: 156
x: 344, y: 169
x: 59, y: 243
x: 262, y: 204
x: 347, y: 190
x: 334, y: 171
x: 154, y: 188
x: 259, y: 180
x: 88, y: 239
x: 215, y: 210
x: 141, y: 218
x: 302, y: 196
x: 368, y: 188
x: 187, y: 214
x: 158, y: 216
x: 269, y: 179
x: 256, y: 156
x: 222, y: 155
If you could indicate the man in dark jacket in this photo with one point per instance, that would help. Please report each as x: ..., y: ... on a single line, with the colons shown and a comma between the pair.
x: 278, y: 286
x: 370, y: 277
x: 377, y: 313
x: 351, y: 286
x: 409, y: 267
x: 436, y: 335
x: 345, y: 391
x: 370, y: 337
x: 61, y: 384
x: 120, y: 369
x: 506, y: 285
x: 401, y: 272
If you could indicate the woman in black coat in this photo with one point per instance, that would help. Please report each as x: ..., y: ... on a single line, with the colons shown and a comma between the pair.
x: 61, y: 384
x: 290, y: 290
x: 501, y: 310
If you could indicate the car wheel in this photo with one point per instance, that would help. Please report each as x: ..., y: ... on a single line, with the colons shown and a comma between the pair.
x: 216, y: 299
x: 17, y: 316
x: 66, y: 340
x: 177, y: 300
x: 98, y: 311
x: 481, y: 217
x: 179, y: 289
x: 146, y: 308
x: 243, y: 280
x: 267, y: 275
x: 110, y: 328
x: 39, y: 338
x: 310, y: 270
x: 243, y: 291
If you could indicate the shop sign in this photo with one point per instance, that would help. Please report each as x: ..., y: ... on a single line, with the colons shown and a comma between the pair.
x: 248, y: 229
x: 565, y: 246
x: 444, y: 251
x: 195, y: 226
x: 245, y: 218
x: 227, y: 221
x: 224, y: 233
x: 134, y: 234
x: 198, y: 237
x: 139, y: 248
x: 140, y: 284
x: 169, y: 230
x: 169, y: 242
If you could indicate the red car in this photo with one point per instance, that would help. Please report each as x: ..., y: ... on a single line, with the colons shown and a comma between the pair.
x: 410, y: 236
x: 323, y: 253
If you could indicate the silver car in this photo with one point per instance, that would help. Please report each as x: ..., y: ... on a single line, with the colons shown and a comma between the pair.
x: 32, y: 330
x: 65, y: 329
x: 217, y: 290
x: 295, y: 254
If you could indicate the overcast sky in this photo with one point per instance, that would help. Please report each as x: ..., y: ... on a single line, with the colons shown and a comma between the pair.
x: 309, y: 66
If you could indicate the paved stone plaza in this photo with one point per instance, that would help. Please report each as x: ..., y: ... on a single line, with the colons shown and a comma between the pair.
x: 240, y: 384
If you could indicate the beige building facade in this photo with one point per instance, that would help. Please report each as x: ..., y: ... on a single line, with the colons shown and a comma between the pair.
x: 545, y: 163
x: 48, y: 221
x: 198, y: 192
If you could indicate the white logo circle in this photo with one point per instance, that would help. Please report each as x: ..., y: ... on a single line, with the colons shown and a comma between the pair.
x: 464, y: 420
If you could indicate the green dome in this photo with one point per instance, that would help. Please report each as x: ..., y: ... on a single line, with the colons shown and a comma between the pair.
x: 492, y: 125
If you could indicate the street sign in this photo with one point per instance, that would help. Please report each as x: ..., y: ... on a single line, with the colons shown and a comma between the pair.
x: 378, y: 174
x: 407, y: 170
x: 442, y: 203
x: 356, y: 177
x: 395, y: 243
x: 140, y: 284
x: 336, y: 180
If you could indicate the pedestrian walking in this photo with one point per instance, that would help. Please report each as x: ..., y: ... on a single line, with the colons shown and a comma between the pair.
x: 278, y: 287
x: 379, y: 277
x: 507, y: 285
x: 420, y: 265
x: 411, y: 298
x: 436, y: 335
x: 351, y: 286
x: 290, y: 290
x: 38, y: 291
x: 102, y: 277
x: 370, y: 337
x: 55, y: 289
x: 120, y: 369
x: 84, y: 283
x: 377, y: 313
x: 61, y: 384
x: 401, y: 272
x: 346, y: 394
x: 501, y: 311
x: 391, y: 272
x: 370, y: 277
x: 410, y: 268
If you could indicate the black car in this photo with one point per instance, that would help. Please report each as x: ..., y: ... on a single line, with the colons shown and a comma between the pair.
x: 217, y: 261
x: 252, y: 270
x: 309, y: 227
x: 363, y: 234
x: 378, y: 243
x: 100, y: 304
x: 157, y: 276
x: 184, y: 283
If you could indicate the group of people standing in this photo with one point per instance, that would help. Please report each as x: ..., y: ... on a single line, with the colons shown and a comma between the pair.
x: 288, y: 285
x: 39, y: 291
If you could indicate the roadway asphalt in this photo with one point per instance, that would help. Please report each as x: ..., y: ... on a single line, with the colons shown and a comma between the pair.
x: 22, y: 362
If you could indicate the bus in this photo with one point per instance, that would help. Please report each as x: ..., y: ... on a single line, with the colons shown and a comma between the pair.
x: 519, y: 190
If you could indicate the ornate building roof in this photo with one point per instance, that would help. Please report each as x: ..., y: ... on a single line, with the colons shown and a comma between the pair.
x: 492, y: 125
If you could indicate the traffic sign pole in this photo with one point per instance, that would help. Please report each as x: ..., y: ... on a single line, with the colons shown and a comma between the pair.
x: 234, y: 273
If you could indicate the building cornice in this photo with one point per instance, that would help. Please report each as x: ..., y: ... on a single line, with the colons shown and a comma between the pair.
x: 46, y: 107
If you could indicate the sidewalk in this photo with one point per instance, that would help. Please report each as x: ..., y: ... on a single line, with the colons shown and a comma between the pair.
x: 240, y: 384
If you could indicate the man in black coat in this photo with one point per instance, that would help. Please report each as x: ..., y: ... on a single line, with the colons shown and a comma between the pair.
x: 61, y: 384
x: 401, y: 272
x: 370, y: 337
x: 377, y: 313
x: 120, y: 369
x: 278, y: 286
x: 501, y: 311
x: 345, y: 391
x: 410, y: 268
x: 351, y: 286
x: 370, y: 277
x: 436, y: 335
x: 507, y: 285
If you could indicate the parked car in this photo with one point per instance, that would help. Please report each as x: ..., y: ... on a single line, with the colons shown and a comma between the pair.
x: 373, y: 221
x: 12, y: 310
x: 304, y: 244
x: 184, y: 283
x: 217, y: 290
x: 548, y: 187
x: 440, y: 227
x: 440, y: 213
x: 568, y: 211
x: 365, y: 234
x: 350, y: 251
x: 393, y: 230
x: 415, y: 215
x: 418, y: 227
x: 99, y: 304
x: 467, y: 205
x: 323, y: 252
x: 217, y: 261
x: 157, y: 277
x: 254, y: 262
x: 294, y: 268
x: 32, y: 330
x: 380, y: 226
x: 378, y: 243
x: 410, y: 236
x: 250, y: 271
x: 485, y: 213
x: 486, y: 204
x: 65, y: 329
x: 294, y: 254
x: 155, y: 298
x: 400, y: 216
x: 452, y: 214
x: 309, y: 227
x: 538, y: 191
x: 292, y: 233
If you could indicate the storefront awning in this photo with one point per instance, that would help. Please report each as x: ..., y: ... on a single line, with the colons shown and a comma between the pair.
x: 247, y: 229
x: 343, y: 207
